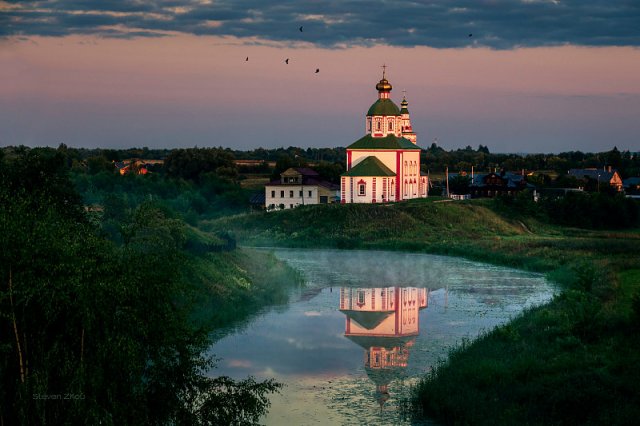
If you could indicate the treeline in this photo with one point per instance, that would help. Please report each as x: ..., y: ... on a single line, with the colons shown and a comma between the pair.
x: 97, y: 331
x: 436, y: 159
x: 598, y: 210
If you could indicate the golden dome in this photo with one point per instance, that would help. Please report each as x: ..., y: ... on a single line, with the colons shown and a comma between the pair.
x: 383, y: 85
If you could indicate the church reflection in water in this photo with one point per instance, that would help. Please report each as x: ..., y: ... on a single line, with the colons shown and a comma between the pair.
x: 385, y: 322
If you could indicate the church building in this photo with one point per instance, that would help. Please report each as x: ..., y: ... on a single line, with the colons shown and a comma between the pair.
x: 384, y: 165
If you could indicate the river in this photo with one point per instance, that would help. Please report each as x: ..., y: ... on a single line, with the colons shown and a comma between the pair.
x: 365, y: 326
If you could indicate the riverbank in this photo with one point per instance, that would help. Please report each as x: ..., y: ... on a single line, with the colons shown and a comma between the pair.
x: 574, y: 360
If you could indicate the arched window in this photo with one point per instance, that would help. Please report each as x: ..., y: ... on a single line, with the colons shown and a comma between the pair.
x: 378, y: 125
x: 390, y: 125
x: 406, y: 188
x: 392, y: 190
x: 362, y: 188
x: 368, y: 124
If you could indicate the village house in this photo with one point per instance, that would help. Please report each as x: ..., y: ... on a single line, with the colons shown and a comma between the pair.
x: 139, y: 167
x: 604, y: 178
x: 495, y: 184
x: 384, y: 165
x: 298, y: 187
x: 631, y: 185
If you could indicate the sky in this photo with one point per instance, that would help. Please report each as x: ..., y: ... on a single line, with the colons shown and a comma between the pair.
x: 515, y: 75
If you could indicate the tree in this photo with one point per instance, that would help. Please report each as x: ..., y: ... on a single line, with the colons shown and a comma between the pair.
x: 95, y: 333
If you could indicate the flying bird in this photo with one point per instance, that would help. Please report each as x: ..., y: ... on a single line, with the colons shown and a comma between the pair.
x: 246, y: 59
x: 317, y: 70
x: 286, y: 61
x: 300, y: 28
x: 470, y: 35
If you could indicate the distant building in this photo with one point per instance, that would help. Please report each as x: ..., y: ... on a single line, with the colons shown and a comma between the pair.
x: 298, y: 187
x: 384, y: 165
x: 606, y: 177
x: 631, y: 185
x: 137, y: 166
x: 494, y: 184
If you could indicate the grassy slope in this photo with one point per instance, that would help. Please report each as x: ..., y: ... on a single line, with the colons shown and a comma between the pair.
x: 234, y: 285
x: 575, y: 360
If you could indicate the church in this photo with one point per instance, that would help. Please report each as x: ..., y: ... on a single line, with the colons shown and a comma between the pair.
x: 384, y: 165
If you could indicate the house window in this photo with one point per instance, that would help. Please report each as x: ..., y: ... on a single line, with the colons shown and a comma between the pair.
x: 273, y: 194
x: 290, y: 206
x: 281, y: 194
x: 300, y: 194
x: 362, y: 189
x: 290, y: 194
x: 310, y: 194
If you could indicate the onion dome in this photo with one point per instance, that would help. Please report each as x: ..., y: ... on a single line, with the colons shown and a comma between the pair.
x: 383, y: 85
x: 404, y: 106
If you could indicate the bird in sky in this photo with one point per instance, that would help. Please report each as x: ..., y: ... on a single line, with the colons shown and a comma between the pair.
x: 317, y: 70
x: 246, y: 59
x: 470, y: 35
x: 300, y: 28
x: 286, y: 61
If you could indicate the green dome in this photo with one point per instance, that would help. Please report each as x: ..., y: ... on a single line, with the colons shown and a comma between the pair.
x: 383, y: 107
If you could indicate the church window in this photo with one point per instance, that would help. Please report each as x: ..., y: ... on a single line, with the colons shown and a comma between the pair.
x: 360, y: 297
x: 281, y: 194
x: 290, y: 194
x: 406, y: 185
x: 273, y: 194
x: 378, y: 125
x: 368, y: 124
x: 390, y: 125
x: 393, y: 188
x: 362, y: 188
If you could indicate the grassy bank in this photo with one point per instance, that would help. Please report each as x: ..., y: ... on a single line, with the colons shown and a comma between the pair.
x: 572, y: 361
x: 234, y: 285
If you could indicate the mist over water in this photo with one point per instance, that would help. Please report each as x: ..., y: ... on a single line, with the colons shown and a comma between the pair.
x: 346, y: 358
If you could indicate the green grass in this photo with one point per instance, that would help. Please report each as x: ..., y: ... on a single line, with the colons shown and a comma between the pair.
x: 234, y: 285
x: 575, y: 360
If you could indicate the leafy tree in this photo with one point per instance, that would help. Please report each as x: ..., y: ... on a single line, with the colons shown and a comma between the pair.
x: 459, y: 184
x: 94, y: 333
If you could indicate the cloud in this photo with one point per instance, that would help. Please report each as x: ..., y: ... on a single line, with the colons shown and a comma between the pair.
x: 498, y: 24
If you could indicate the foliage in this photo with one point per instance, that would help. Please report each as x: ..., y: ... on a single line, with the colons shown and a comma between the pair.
x: 192, y: 163
x: 97, y: 333
x: 459, y: 184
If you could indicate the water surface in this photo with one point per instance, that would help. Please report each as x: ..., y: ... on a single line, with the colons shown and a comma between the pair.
x: 365, y: 326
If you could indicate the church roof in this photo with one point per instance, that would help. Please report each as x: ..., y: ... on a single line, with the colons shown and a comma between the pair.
x: 383, y: 107
x: 370, y: 166
x: 367, y: 319
x: 390, y: 141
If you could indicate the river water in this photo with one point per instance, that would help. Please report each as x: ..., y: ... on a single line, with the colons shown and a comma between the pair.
x: 364, y: 327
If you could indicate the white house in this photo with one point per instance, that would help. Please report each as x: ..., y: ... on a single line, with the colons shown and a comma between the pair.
x: 298, y: 187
